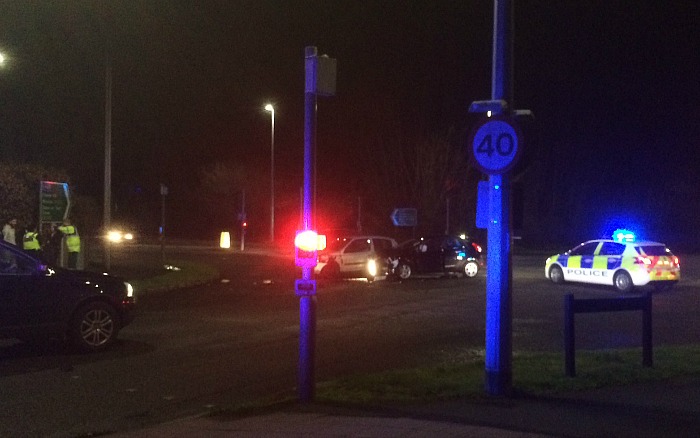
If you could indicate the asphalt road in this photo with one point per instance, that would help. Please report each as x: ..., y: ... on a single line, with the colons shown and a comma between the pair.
x: 193, y: 350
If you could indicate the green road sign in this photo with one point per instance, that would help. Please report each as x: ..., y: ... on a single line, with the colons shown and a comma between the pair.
x: 54, y: 201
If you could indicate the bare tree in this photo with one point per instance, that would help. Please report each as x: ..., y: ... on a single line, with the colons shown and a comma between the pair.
x: 19, y: 189
x: 423, y: 174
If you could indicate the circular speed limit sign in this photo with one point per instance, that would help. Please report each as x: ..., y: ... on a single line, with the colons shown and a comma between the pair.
x: 495, y: 145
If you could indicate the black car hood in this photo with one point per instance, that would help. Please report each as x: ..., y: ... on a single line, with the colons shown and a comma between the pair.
x: 86, y: 276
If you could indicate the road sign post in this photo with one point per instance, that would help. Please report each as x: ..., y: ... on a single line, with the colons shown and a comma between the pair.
x: 319, y: 80
x: 495, y: 149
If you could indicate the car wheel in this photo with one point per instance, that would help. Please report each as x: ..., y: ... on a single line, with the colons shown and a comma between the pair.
x: 470, y: 269
x: 556, y: 275
x: 623, y: 281
x: 94, y: 327
x: 403, y: 271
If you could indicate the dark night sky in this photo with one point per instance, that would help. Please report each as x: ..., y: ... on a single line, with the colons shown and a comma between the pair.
x: 614, y: 85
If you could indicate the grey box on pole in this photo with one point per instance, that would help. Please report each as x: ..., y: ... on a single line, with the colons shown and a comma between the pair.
x: 321, y: 75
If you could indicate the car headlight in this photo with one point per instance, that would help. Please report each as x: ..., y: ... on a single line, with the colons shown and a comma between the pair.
x: 372, y: 267
x: 129, y: 289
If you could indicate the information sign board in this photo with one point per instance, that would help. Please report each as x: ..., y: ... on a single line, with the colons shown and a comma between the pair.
x: 54, y: 201
x: 404, y: 217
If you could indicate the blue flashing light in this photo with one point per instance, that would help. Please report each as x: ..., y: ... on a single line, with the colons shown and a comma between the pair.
x: 623, y: 236
x: 496, y: 187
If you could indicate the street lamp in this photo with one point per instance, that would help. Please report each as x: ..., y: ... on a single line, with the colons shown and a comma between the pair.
x: 107, y: 207
x: 271, y: 110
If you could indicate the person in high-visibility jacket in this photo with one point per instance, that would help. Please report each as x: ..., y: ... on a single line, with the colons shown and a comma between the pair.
x: 30, y: 242
x: 72, y: 242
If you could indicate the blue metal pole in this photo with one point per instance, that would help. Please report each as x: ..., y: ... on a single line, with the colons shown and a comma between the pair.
x: 498, y: 361
x: 307, y: 303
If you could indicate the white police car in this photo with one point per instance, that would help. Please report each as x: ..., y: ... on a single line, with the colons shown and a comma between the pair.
x: 622, y: 263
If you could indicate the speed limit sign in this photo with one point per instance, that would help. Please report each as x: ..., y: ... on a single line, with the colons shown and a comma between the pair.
x: 495, y: 145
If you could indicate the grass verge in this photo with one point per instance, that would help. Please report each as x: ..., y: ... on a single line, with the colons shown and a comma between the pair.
x: 462, y: 375
x: 187, y: 274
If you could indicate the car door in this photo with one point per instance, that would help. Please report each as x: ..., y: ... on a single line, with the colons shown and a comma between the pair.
x: 453, y: 253
x: 429, y: 257
x: 606, y: 261
x: 579, y: 264
x: 10, y: 288
x: 25, y: 299
x: 354, y: 256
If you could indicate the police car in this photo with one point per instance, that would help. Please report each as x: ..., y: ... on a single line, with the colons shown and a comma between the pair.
x: 621, y: 262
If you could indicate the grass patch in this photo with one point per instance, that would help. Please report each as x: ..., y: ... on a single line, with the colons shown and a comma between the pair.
x: 462, y: 376
x: 188, y: 274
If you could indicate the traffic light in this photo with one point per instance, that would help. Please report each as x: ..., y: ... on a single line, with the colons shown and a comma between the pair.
x: 306, y: 245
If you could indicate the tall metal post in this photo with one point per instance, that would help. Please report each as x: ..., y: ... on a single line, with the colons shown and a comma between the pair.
x: 163, y: 193
x: 243, y: 219
x: 106, y: 221
x: 271, y: 109
x: 498, y: 361
x: 307, y: 303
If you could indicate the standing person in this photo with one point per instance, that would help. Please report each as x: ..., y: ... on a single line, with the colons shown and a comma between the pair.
x: 72, y: 242
x: 9, y: 231
x: 30, y: 242
x: 52, y: 245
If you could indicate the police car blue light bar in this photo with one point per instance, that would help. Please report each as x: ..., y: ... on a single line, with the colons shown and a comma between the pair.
x: 622, y: 236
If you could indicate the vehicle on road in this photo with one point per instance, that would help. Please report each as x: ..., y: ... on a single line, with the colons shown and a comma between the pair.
x: 354, y: 256
x: 444, y: 255
x: 39, y: 302
x: 621, y: 263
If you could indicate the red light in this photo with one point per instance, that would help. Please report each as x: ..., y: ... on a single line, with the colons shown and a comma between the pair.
x: 244, y: 225
x: 476, y: 246
x: 306, y: 240
x: 676, y: 261
x: 305, y: 252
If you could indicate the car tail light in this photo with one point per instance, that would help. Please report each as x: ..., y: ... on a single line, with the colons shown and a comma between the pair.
x: 676, y: 262
x: 476, y: 246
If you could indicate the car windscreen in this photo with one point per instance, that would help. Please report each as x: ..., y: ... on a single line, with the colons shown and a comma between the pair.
x: 336, y: 245
x: 654, y: 250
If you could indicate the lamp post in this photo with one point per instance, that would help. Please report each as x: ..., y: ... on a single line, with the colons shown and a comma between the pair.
x: 107, y: 207
x: 271, y: 110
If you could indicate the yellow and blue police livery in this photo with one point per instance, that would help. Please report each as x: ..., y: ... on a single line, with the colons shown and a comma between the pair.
x: 622, y: 263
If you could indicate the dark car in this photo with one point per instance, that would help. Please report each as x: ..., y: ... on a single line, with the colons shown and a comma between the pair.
x: 39, y: 302
x: 436, y: 255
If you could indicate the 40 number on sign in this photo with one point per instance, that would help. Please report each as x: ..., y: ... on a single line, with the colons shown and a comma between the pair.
x: 495, y: 146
